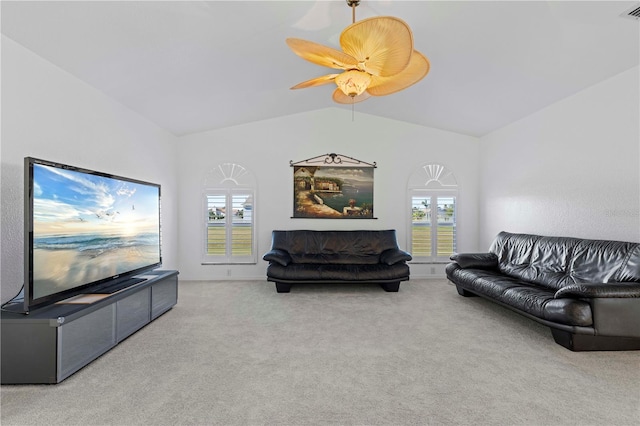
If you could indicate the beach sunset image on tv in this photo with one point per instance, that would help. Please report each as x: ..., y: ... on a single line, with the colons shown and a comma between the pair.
x: 88, y: 227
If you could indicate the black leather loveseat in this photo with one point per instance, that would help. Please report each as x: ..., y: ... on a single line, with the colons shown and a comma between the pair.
x: 304, y: 256
x: 587, y: 291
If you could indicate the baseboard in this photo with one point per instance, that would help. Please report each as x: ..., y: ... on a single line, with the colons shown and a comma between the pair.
x: 427, y: 277
x: 231, y: 278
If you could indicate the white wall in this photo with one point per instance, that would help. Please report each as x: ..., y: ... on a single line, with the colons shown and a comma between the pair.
x: 571, y: 169
x: 49, y: 114
x: 267, y: 147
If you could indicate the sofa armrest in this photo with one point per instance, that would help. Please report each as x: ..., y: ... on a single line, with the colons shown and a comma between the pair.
x: 593, y: 290
x: 277, y: 256
x: 393, y: 256
x: 476, y: 260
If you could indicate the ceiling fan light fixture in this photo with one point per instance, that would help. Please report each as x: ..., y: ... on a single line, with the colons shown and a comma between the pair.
x: 353, y: 82
x: 377, y: 59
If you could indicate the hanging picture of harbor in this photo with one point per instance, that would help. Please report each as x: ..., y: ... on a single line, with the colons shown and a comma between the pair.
x: 333, y: 186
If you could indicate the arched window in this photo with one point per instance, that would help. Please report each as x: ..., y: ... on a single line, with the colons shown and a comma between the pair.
x: 433, y: 204
x: 229, y: 215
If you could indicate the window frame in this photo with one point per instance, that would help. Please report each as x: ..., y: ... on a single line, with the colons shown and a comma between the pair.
x: 433, y: 181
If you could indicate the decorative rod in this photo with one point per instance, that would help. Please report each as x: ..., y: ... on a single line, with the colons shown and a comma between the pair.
x: 352, y: 4
x: 332, y: 158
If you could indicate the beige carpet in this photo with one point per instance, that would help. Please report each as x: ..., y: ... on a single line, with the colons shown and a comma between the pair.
x: 238, y: 353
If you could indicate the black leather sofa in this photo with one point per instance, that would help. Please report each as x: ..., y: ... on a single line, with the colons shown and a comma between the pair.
x: 304, y: 256
x: 586, y: 291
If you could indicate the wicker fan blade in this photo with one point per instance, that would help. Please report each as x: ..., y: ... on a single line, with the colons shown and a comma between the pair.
x: 418, y: 68
x: 318, y: 81
x: 382, y: 45
x: 321, y: 55
x: 341, y: 98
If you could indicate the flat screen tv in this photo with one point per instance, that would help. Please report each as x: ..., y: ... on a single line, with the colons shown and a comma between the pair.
x: 86, y: 231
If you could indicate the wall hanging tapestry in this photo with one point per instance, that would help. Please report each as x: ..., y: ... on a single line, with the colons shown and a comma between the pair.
x: 333, y: 186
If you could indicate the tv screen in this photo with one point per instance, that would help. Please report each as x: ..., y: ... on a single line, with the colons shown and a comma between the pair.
x: 84, y: 228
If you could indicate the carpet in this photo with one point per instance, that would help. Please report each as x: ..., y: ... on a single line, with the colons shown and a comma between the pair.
x: 238, y: 353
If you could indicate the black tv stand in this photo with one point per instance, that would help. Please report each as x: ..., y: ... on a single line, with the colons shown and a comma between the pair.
x: 112, y: 287
x: 55, y: 341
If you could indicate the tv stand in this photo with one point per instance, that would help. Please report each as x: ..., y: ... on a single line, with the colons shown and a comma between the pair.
x: 112, y: 288
x: 53, y: 342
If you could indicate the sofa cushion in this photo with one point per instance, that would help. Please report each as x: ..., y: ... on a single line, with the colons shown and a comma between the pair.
x: 300, y: 272
x: 335, y: 247
x: 605, y: 261
x: 336, y: 258
x: 556, y: 262
x: 532, y: 299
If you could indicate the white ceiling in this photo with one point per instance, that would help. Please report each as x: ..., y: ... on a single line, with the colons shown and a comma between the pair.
x: 191, y: 66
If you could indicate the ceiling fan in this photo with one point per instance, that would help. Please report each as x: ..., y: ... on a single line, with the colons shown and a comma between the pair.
x: 377, y: 59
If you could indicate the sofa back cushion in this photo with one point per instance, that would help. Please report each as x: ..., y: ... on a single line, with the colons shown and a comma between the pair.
x: 555, y: 262
x: 344, y: 247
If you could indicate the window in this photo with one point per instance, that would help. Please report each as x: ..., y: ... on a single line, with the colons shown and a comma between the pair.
x: 229, y: 217
x: 433, y: 205
x: 433, y: 226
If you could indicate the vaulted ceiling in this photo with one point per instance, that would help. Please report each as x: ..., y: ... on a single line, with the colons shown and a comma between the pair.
x: 192, y: 66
